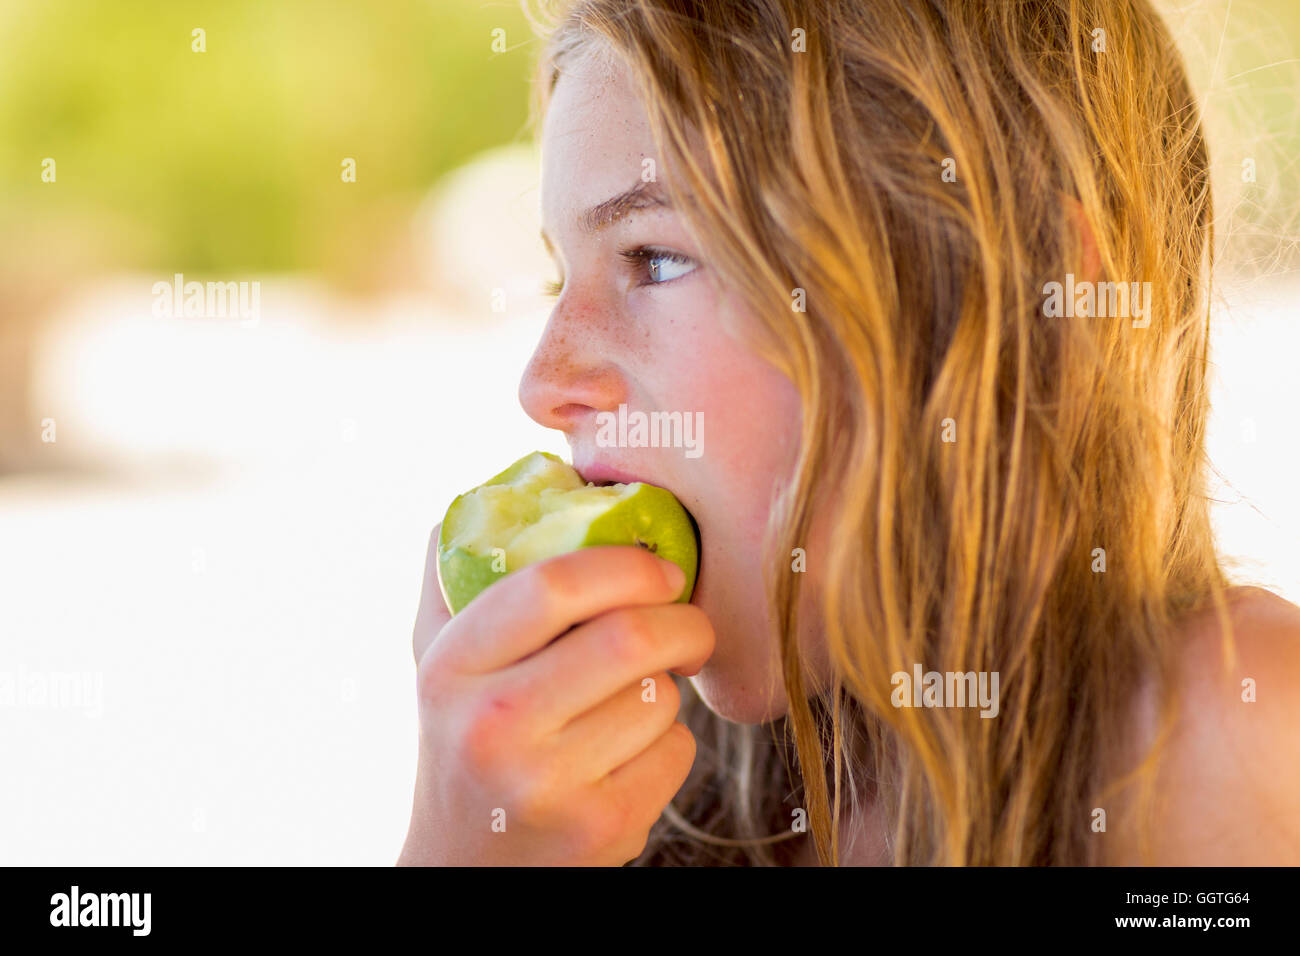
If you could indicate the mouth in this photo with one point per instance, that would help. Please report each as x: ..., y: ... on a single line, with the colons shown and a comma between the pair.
x: 603, y: 475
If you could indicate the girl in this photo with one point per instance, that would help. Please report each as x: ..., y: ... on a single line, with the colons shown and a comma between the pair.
x: 934, y: 274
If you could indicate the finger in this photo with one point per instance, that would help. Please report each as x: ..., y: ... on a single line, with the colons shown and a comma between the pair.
x: 433, y: 613
x: 653, y: 777
x: 599, y: 658
x: 620, y: 727
x: 526, y: 610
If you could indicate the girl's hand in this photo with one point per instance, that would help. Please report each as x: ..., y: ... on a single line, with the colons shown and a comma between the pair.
x: 539, y: 744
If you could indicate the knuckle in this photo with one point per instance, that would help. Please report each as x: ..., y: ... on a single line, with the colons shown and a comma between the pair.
x: 476, y: 753
x: 486, y: 735
x: 539, y: 802
x: 531, y: 806
x: 554, y: 583
x: 630, y: 638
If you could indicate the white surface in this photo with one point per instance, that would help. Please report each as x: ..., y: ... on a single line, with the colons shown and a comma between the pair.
x: 251, y: 625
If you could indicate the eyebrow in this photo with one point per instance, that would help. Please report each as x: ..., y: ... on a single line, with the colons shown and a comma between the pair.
x: 644, y: 195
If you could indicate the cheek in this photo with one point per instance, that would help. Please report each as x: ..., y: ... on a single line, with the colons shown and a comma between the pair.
x: 751, y: 410
x: 751, y: 418
x: 753, y: 413
x: 750, y: 414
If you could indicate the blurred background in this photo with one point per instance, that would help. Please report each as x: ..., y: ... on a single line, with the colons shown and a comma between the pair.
x: 212, y: 529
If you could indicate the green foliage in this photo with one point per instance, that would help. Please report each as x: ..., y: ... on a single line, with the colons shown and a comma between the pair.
x: 230, y: 159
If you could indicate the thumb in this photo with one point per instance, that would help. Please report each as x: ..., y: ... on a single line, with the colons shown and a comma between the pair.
x: 433, y: 612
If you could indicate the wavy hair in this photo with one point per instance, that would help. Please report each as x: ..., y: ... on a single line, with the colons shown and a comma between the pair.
x: 1012, y: 491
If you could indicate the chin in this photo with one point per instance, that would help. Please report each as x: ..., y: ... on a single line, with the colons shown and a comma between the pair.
x: 735, y: 700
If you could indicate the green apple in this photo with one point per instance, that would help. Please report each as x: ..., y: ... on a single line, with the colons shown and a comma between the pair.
x: 540, y: 507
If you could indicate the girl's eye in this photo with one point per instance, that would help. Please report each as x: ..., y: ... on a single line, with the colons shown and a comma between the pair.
x: 649, y: 265
x: 654, y: 266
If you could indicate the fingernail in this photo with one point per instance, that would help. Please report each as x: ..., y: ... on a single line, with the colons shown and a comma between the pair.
x: 674, y: 575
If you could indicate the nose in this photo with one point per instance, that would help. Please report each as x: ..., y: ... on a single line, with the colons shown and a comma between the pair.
x: 570, y: 376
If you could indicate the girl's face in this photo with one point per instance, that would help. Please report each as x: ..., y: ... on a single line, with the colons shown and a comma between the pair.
x: 641, y: 321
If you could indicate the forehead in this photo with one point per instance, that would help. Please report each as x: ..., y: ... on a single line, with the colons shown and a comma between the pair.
x: 594, y: 138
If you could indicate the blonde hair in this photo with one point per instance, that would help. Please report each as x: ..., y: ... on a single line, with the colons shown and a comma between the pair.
x: 821, y: 169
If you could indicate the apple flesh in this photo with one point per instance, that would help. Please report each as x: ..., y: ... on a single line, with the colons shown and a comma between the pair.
x: 540, y: 507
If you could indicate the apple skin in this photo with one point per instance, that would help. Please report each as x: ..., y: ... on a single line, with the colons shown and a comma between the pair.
x: 651, y: 518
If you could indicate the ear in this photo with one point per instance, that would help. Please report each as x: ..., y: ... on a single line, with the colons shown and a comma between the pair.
x: 1090, y: 267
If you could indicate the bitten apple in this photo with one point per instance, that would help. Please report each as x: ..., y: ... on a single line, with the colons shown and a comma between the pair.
x: 540, y: 507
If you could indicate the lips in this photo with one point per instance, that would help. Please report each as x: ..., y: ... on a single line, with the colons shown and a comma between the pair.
x: 601, y: 474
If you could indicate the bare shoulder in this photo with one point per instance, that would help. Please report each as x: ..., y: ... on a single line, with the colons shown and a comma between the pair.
x: 1228, y: 786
